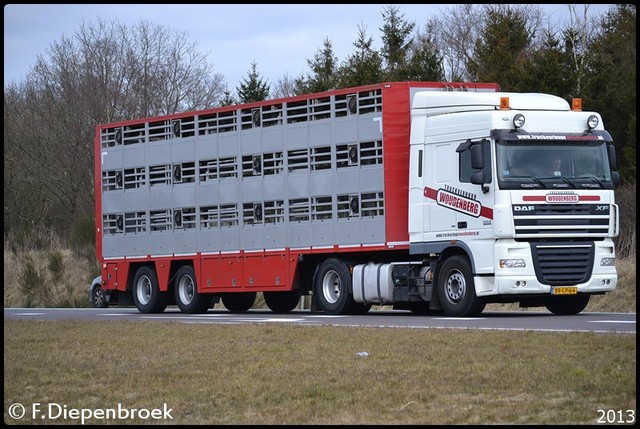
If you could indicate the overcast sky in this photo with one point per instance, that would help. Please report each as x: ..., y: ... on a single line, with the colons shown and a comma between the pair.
x: 279, y: 38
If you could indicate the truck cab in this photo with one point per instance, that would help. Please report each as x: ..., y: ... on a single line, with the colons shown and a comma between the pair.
x: 519, y: 187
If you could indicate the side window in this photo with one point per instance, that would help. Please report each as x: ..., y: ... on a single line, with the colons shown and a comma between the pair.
x: 464, y: 161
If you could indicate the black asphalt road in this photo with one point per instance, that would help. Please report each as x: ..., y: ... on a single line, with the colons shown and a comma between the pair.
x: 622, y: 323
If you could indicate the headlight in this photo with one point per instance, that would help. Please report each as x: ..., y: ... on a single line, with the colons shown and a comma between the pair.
x: 512, y: 263
x: 592, y: 122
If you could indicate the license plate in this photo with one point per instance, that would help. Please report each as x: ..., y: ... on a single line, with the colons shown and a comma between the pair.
x: 564, y: 290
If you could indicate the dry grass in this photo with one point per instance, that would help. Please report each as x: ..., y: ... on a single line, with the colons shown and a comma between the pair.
x: 623, y: 299
x: 71, y: 289
x: 67, y: 288
x: 280, y: 374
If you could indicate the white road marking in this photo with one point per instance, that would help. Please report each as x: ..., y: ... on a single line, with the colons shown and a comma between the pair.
x: 460, y: 318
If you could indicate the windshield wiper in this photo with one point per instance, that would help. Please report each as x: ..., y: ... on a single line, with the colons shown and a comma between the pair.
x: 526, y: 185
x: 564, y: 179
x: 535, y: 179
x: 592, y: 177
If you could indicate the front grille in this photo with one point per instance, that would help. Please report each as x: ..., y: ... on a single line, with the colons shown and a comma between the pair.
x: 563, y: 264
x: 561, y: 220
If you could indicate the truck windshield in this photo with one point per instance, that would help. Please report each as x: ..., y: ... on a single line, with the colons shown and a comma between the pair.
x: 541, y: 164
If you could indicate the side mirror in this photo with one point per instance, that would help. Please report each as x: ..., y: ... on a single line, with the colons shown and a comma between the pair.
x: 477, y: 178
x: 477, y: 157
x: 611, y: 150
x: 615, y: 178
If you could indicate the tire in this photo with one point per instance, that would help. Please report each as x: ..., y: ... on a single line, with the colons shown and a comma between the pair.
x: 331, y: 285
x: 186, y: 292
x: 456, y: 288
x: 146, y: 292
x: 281, y: 302
x: 98, y: 298
x: 566, y: 305
x: 238, y: 302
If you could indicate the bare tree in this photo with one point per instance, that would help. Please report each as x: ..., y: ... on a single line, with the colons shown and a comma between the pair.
x: 455, y: 33
x: 287, y: 86
x: 169, y: 73
x: 25, y: 205
x: 580, y: 34
x: 106, y: 72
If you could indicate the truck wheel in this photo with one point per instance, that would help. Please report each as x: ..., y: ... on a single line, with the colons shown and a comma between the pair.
x: 456, y: 288
x: 566, y: 305
x: 98, y: 298
x: 146, y: 292
x: 239, y: 302
x: 281, y: 302
x: 331, y: 285
x: 186, y: 292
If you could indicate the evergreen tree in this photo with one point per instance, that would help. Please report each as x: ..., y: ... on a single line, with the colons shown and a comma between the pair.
x: 323, y: 69
x: 425, y: 61
x: 227, y: 98
x: 501, y: 51
x: 396, y: 40
x: 364, y: 67
x: 548, y: 69
x: 610, y: 88
x: 253, y: 87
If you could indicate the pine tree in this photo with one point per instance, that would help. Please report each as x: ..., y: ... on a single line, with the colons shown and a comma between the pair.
x: 323, y: 69
x: 500, y: 52
x: 396, y: 40
x: 253, y: 87
x: 364, y: 67
x: 425, y: 61
x: 227, y: 98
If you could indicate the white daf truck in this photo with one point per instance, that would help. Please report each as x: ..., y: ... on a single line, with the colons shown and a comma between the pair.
x: 417, y: 195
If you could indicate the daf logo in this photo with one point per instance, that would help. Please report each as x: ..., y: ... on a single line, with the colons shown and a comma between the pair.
x: 523, y: 208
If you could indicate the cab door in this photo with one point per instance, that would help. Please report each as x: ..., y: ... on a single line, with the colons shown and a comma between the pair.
x: 472, y: 196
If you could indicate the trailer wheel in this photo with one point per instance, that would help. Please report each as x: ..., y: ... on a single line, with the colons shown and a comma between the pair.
x: 146, y: 292
x: 238, y: 302
x: 98, y: 298
x: 331, y: 285
x: 456, y: 288
x: 281, y: 302
x: 186, y: 291
x: 566, y: 305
